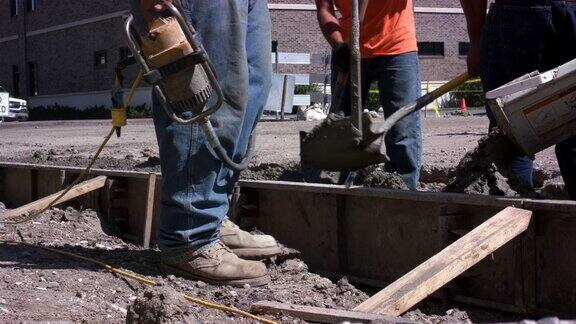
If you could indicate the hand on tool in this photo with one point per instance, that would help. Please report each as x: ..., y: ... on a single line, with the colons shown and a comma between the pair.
x: 341, y: 58
x: 152, y: 8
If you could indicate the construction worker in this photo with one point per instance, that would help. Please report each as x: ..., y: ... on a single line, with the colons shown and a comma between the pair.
x: 390, y: 57
x: 517, y: 37
x: 196, y: 239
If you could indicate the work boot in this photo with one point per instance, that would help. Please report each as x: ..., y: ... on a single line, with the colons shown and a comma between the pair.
x: 246, y: 245
x: 218, y: 266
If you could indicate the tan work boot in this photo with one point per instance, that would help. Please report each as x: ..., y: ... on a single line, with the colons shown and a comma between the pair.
x: 246, y: 245
x: 219, y: 266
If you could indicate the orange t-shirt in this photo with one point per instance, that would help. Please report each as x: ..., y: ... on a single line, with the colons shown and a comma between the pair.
x: 388, y: 27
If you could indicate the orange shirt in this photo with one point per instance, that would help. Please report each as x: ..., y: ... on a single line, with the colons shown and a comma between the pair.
x: 388, y: 27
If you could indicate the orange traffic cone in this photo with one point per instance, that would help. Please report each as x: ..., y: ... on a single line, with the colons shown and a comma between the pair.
x: 463, y: 106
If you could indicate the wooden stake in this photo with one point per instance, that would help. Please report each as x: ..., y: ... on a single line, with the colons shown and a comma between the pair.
x: 150, y: 194
x: 460, y: 256
x: 78, y: 190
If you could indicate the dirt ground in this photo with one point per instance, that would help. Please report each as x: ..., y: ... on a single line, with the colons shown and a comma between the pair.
x: 37, y: 285
x: 445, y: 140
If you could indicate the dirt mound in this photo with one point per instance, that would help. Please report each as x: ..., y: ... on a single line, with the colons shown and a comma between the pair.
x: 70, y: 158
x: 483, y: 170
x: 373, y: 177
x: 37, y: 285
x: 160, y: 305
x: 376, y: 177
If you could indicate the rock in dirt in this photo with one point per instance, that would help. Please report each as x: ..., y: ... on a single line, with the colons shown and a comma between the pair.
x: 2, y: 207
x: 160, y: 305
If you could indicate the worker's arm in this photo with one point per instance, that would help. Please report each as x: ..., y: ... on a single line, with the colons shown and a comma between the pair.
x: 330, y: 27
x: 151, y: 8
x: 475, y: 11
x: 329, y: 23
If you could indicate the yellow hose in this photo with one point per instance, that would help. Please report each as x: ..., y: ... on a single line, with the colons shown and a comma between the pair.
x: 145, y: 281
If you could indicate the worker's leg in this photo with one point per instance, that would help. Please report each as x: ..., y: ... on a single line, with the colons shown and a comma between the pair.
x: 565, y: 49
x: 513, y: 44
x: 194, y: 196
x: 399, y: 84
x: 366, y: 77
x: 258, y: 40
x: 566, y: 155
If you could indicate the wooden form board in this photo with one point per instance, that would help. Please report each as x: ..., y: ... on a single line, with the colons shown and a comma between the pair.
x: 322, y: 315
x: 546, y: 257
x: 449, y: 263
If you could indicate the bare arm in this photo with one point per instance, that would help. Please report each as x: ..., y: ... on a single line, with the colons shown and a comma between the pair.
x: 475, y: 11
x: 329, y: 23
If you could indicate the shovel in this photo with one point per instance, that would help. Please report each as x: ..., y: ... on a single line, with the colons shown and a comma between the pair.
x: 338, y: 144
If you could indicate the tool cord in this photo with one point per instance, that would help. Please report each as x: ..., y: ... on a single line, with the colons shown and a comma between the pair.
x: 144, y: 280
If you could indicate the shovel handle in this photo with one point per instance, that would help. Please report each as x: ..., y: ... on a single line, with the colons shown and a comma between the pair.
x: 454, y: 83
x: 421, y: 102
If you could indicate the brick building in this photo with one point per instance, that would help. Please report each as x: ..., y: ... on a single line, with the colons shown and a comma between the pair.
x: 65, y: 51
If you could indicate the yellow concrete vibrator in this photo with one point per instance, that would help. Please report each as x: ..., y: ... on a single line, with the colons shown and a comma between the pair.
x: 174, y: 62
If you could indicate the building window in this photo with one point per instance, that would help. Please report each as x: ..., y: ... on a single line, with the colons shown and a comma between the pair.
x: 32, y: 79
x: 14, y: 10
x: 125, y: 53
x: 16, y: 80
x: 100, y: 58
x: 431, y: 48
x: 463, y: 48
x: 31, y: 5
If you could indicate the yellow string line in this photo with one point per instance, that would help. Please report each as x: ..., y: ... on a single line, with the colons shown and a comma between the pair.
x: 145, y: 281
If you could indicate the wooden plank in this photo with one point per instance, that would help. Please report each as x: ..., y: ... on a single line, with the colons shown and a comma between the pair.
x: 449, y: 263
x: 150, y: 195
x: 321, y: 315
x: 78, y: 190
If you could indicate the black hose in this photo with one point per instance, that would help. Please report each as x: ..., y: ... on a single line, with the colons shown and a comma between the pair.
x: 214, y: 142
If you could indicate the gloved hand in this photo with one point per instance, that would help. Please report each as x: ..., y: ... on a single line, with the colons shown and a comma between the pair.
x: 341, y: 58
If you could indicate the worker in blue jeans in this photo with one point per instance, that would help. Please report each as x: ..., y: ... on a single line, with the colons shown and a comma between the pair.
x: 390, y: 58
x: 196, y: 239
x: 517, y: 37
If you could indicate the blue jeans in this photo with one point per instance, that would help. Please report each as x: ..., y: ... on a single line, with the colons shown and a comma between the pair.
x: 237, y: 37
x: 398, y: 78
x: 522, y: 36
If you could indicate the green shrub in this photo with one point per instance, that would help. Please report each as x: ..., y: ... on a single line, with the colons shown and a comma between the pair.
x: 303, y: 89
x: 471, y: 91
x: 373, y: 101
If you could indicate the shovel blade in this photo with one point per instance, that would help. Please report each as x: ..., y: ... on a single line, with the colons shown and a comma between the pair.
x: 336, y: 145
